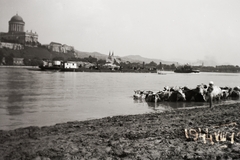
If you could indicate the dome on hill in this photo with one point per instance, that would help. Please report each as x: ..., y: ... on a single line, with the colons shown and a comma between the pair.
x: 16, y: 18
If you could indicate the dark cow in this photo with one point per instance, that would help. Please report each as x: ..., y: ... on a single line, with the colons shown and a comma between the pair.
x: 152, y: 97
x: 234, y: 93
x: 197, y: 94
x: 177, y: 95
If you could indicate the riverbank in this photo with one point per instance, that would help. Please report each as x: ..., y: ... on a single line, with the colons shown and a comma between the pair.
x: 147, y: 136
x: 12, y: 66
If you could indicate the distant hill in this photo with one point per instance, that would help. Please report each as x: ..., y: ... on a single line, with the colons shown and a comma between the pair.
x: 43, y: 53
x: 130, y: 58
x: 81, y: 54
x: 205, y: 62
x: 32, y: 52
x: 137, y: 58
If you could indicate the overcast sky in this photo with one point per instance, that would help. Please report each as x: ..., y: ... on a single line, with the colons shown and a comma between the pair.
x: 163, y: 29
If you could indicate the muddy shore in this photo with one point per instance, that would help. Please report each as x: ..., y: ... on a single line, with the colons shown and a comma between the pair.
x: 177, y: 134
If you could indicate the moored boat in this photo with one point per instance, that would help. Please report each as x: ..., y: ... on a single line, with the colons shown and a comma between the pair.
x: 185, y: 69
x: 160, y: 72
x: 59, y: 66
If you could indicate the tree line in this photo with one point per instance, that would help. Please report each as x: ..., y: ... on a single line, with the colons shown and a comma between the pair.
x: 134, y: 66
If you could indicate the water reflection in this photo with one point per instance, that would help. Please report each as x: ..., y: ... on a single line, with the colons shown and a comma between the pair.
x: 18, y: 87
x: 138, y: 100
x: 45, y: 98
x: 160, y: 106
x: 15, y: 106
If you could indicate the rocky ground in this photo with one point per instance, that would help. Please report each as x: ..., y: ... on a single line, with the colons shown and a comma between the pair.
x: 201, y: 133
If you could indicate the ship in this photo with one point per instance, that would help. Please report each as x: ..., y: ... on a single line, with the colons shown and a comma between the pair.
x: 71, y: 66
x: 160, y: 71
x: 185, y: 69
x: 58, y: 66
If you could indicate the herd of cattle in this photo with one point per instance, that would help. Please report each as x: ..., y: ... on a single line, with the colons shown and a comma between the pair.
x: 198, y: 94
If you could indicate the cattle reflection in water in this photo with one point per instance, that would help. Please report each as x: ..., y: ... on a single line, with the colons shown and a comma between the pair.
x: 172, y: 105
x: 185, y: 96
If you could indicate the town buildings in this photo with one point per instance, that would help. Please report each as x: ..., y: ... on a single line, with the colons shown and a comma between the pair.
x: 58, y: 47
x: 16, y: 38
x: 110, y: 60
x: 16, y: 33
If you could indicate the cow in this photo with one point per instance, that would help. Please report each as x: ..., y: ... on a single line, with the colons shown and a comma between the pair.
x: 213, y: 93
x: 197, y: 94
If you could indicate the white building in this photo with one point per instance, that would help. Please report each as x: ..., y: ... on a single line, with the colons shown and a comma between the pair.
x: 72, y: 65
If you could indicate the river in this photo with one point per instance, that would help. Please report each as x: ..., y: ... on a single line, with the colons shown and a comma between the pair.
x: 41, y: 98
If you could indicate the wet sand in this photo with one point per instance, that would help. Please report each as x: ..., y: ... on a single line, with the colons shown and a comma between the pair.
x: 200, y: 133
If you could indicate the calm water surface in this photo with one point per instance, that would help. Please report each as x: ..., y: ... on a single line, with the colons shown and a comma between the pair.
x: 39, y: 98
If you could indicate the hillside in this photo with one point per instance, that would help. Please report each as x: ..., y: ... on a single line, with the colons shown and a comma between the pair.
x: 130, y: 58
x: 81, y: 54
x: 43, y: 53
x: 138, y: 58
x: 31, y: 53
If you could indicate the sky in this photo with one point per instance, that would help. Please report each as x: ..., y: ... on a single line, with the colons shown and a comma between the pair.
x: 172, y: 30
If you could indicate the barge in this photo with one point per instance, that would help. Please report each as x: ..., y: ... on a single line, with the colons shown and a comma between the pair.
x: 185, y: 69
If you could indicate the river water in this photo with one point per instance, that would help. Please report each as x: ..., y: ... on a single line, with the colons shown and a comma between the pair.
x: 40, y: 98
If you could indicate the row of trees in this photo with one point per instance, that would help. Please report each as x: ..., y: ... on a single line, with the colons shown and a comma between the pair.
x: 8, y: 60
x: 222, y: 68
x: 152, y: 66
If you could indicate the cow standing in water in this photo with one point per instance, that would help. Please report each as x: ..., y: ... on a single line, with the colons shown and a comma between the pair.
x: 210, y: 90
x: 214, y: 93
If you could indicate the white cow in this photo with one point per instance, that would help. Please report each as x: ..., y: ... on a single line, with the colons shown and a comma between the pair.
x: 214, y: 93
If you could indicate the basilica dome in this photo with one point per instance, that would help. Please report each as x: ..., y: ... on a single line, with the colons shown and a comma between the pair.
x: 16, y: 18
x: 16, y: 24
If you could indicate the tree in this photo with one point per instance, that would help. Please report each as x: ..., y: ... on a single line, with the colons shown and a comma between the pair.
x: 1, y: 56
x: 92, y: 59
x: 160, y: 65
x: 101, y: 61
x: 9, y: 59
x: 33, y: 43
x: 58, y: 59
x: 173, y: 66
x: 153, y: 64
x: 27, y: 61
x: 36, y: 61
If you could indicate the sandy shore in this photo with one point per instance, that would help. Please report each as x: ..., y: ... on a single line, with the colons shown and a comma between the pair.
x: 179, y: 134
